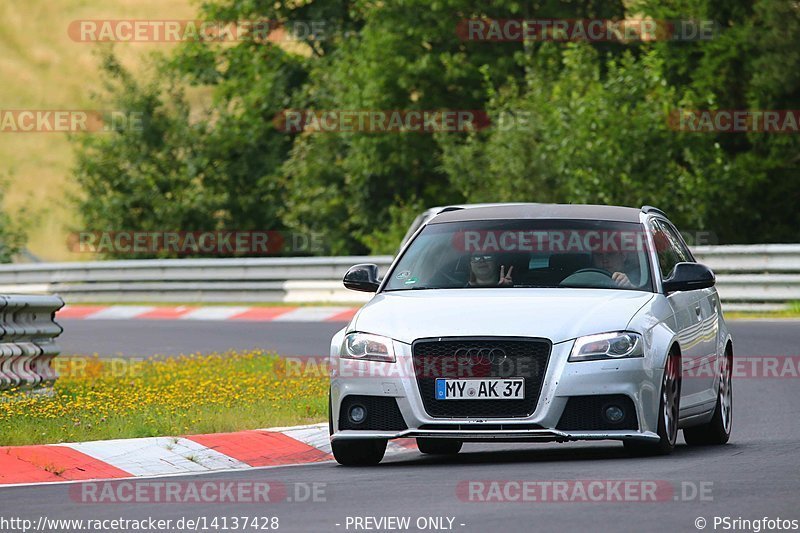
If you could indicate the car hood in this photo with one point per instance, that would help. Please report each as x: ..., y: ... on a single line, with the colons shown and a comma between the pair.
x: 557, y: 314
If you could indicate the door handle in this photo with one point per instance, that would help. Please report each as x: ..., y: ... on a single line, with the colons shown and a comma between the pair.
x: 697, y: 311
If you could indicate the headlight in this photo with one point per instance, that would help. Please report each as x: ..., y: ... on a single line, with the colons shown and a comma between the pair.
x: 368, y: 347
x: 607, y: 346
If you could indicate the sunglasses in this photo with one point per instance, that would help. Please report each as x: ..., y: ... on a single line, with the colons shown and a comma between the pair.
x: 481, y: 258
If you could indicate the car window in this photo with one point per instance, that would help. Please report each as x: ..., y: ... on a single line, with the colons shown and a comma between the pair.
x: 678, y: 241
x: 669, y: 248
x: 418, y: 221
x: 524, y: 253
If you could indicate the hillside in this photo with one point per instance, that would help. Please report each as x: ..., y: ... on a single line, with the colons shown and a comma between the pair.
x: 42, y: 68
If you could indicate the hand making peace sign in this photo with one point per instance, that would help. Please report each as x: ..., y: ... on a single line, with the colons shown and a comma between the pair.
x: 505, y: 277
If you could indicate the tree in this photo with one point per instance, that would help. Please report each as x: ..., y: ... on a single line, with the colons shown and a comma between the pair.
x: 593, y: 132
x: 753, y: 62
x: 185, y: 170
x: 590, y: 122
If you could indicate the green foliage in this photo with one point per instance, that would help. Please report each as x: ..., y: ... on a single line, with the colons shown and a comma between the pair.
x: 347, y: 184
x: 145, y: 178
x: 588, y: 131
x: 386, y: 240
x: 752, y: 63
x: 581, y: 123
x: 12, y: 234
x: 187, y: 171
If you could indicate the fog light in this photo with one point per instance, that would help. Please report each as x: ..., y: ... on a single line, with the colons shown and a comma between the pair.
x: 614, y: 413
x: 357, y: 414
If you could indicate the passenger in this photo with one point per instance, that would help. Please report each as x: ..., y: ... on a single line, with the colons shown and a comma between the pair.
x: 483, y: 272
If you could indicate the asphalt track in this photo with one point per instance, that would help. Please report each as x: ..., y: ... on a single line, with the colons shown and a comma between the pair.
x: 129, y: 338
x: 141, y: 338
x: 756, y: 475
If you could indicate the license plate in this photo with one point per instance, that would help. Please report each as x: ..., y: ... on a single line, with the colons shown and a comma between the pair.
x: 480, y: 389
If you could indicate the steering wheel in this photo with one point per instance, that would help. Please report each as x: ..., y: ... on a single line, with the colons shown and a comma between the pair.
x: 446, y: 280
x: 452, y: 279
x: 596, y: 270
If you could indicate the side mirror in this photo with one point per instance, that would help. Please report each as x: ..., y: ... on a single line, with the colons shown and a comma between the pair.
x: 689, y: 277
x: 362, y: 277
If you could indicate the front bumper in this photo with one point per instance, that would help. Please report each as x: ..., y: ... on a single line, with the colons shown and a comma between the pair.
x: 637, y: 378
x: 527, y: 435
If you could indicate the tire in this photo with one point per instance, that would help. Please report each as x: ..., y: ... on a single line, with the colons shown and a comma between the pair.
x: 668, y: 411
x: 361, y: 452
x: 438, y: 446
x: 718, y: 429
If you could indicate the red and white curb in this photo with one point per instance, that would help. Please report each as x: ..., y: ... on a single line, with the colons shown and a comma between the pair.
x: 216, y: 312
x: 166, y: 456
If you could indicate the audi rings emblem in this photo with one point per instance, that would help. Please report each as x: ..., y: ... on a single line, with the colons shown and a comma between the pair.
x: 479, y: 356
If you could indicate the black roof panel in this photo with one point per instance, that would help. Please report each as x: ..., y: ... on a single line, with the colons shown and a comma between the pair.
x: 523, y: 211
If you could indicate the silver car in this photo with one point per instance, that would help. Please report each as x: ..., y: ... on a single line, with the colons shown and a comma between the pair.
x: 533, y: 322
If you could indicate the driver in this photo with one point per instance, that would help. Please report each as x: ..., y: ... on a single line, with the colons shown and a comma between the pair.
x: 615, y: 263
x: 483, y: 271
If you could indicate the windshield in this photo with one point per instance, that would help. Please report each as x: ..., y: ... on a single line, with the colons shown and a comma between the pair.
x: 525, y: 253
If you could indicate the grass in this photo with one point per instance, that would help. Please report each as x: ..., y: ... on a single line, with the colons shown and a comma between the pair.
x: 747, y: 315
x: 792, y: 310
x: 98, y: 399
x: 42, y: 68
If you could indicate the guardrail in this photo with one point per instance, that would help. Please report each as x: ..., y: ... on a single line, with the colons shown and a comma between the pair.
x: 756, y: 276
x: 764, y: 276
x: 27, y: 341
x: 309, y: 279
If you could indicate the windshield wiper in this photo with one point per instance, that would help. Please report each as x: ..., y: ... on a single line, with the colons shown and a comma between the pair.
x: 416, y: 289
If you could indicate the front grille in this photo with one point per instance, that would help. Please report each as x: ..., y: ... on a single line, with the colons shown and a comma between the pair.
x: 383, y: 414
x: 585, y: 413
x: 484, y: 357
